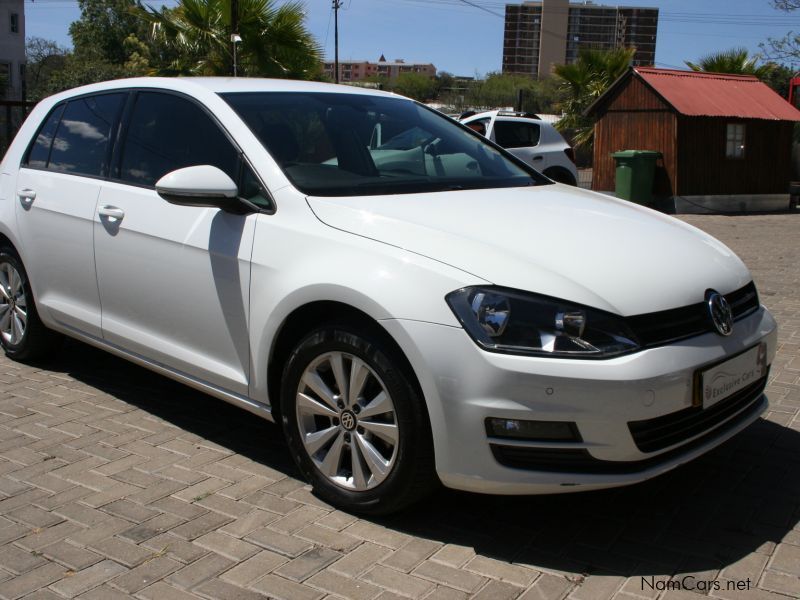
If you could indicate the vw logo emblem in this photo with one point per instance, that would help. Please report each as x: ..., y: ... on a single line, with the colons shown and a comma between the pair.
x: 720, y: 312
x: 348, y: 420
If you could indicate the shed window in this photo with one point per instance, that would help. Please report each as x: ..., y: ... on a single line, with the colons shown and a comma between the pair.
x: 734, y: 142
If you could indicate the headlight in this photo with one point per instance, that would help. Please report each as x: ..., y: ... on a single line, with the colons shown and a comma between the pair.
x: 503, y: 320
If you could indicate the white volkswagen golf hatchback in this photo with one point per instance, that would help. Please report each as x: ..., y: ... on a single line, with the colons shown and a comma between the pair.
x: 410, y: 302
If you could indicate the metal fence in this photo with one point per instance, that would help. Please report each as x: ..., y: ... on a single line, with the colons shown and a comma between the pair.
x: 585, y: 178
x: 12, y: 115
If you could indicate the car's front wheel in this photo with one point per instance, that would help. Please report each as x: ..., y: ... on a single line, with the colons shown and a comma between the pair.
x: 354, y: 422
x: 23, y: 336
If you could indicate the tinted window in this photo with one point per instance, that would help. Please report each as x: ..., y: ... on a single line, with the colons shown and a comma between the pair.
x: 479, y: 125
x: 40, y: 149
x: 250, y: 188
x: 515, y: 134
x: 81, y: 142
x: 343, y: 144
x: 167, y: 132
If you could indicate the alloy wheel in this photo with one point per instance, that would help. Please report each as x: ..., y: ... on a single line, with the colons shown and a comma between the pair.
x: 13, y: 304
x: 347, y: 421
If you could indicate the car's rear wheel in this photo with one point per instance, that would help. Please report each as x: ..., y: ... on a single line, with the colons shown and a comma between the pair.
x: 23, y: 336
x: 355, y: 424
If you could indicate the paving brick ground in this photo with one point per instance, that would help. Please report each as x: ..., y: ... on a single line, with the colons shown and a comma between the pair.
x: 115, y: 482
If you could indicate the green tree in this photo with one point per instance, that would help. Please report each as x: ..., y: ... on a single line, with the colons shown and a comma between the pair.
x: 77, y: 71
x: 109, y: 42
x: 737, y: 61
x: 501, y: 90
x: 444, y: 81
x: 778, y: 79
x: 414, y: 85
x: 786, y: 48
x: 504, y: 90
x: 275, y: 40
x: 104, y: 25
x: 44, y: 58
x: 583, y: 82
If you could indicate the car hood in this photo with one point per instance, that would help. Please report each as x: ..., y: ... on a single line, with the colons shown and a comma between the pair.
x: 553, y: 239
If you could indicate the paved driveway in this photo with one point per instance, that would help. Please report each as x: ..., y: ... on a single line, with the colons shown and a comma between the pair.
x: 115, y: 482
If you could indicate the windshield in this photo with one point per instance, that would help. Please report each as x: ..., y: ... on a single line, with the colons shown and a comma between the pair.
x: 344, y: 144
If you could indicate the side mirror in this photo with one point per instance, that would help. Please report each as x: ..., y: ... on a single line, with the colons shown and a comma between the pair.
x: 203, y: 185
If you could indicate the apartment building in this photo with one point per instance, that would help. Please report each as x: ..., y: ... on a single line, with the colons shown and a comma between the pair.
x: 542, y: 33
x: 358, y: 70
x: 12, y: 48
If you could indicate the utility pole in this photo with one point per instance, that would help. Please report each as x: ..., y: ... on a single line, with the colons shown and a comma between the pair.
x: 235, y: 39
x: 336, y: 6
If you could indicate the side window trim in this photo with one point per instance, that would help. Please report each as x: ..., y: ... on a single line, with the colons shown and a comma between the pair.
x: 119, y: 138
x: 27, y: 155
x: 111, y: 132
x: 115, y: 172
x: 113, y: 137
x: 244, y: 163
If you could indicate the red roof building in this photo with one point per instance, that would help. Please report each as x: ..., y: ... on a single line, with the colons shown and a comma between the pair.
x: 725, y: 139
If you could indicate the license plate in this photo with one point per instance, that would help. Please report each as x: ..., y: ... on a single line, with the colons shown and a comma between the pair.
x: 727, y: 378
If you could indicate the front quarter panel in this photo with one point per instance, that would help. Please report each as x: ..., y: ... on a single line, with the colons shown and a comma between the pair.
x: 298, y: 260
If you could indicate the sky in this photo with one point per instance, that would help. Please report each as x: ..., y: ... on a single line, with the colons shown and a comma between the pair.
x: 459, y: 37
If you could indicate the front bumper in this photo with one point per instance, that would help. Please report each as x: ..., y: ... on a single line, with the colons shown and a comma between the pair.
x: 464, y: 386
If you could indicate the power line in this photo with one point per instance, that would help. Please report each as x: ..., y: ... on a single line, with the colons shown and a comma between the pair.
x: 478, y: 6
x: 328, y: 29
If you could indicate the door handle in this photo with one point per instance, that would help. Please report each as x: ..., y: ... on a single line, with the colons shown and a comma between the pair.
x: 538, y: 158
x: 26, y: 197
x: 112, y: 213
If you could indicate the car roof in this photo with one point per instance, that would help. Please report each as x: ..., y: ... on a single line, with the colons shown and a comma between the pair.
x: 505, y: 115
x: 218, y: 85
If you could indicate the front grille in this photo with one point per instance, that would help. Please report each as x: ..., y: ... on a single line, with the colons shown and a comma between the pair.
x: 579, y: 461
x: 659, y: 433
x: 666, y: 326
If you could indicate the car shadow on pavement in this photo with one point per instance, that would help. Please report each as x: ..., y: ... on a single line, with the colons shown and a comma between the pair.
x: 215, y: 420
x: 739, y: 499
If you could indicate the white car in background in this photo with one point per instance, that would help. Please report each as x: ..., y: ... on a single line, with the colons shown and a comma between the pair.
x: 407, y: 302
x: 530, y: 139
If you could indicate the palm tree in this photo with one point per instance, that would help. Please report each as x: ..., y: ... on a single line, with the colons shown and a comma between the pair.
x: 275, y: 41
x: 736, y: 61
x: 585, y: 80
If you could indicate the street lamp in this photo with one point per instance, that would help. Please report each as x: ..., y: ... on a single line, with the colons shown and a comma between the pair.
x: 235, y: 39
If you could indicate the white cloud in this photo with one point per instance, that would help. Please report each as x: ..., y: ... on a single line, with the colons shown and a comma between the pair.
x: 83, y: 129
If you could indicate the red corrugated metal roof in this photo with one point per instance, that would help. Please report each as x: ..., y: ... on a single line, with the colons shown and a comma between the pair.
x: 699, y: 94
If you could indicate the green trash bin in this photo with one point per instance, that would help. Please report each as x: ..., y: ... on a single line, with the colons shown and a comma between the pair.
x: 635, y: 174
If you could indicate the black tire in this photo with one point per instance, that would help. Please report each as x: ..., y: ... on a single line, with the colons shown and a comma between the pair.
x: 560, y: 175
x: 37, y: 341
x: 412, y: 473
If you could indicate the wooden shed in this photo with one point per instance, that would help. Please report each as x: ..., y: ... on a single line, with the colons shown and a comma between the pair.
x: 726, y: 140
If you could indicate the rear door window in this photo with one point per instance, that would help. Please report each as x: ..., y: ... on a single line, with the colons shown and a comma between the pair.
x: 39, y: 152
x: 516, y: 134
x: 81, y: 142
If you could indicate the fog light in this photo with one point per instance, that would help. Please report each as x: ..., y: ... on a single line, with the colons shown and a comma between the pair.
x: 561, y: 431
